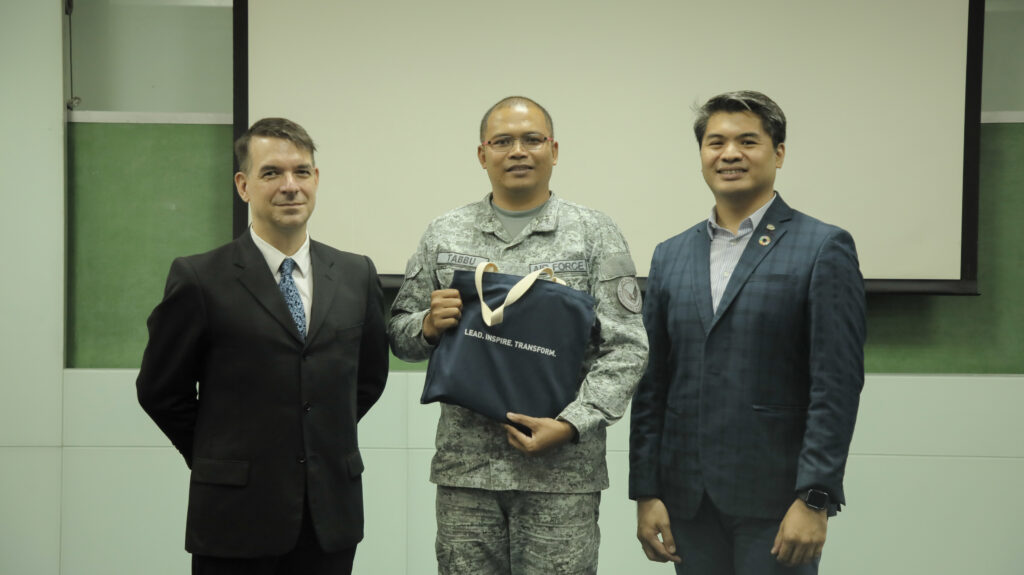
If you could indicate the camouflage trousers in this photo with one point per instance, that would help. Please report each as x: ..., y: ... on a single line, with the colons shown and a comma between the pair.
x: 516, y: 532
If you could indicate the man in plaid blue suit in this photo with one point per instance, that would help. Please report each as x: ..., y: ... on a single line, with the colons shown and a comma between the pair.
x: 741, y: 425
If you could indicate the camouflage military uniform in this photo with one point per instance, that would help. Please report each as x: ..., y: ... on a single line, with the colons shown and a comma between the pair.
x: 544, y: 534
x: 585, y: 249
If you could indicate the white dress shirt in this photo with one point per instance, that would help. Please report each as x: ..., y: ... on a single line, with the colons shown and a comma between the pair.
x: 727, y: 247
x: 302, y: 274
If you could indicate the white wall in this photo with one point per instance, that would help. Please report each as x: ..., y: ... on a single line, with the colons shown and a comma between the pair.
x: 932, y: 480
x: 31, y: 293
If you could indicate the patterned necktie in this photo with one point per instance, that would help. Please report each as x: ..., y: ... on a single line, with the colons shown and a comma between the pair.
x: 291, y: 295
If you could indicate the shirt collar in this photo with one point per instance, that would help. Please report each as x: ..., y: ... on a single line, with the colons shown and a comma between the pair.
x: 546, y: 220
x: 274, y: 256
x: 748, y: 225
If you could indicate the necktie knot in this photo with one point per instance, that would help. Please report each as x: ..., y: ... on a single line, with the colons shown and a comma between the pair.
x: 287, y: 266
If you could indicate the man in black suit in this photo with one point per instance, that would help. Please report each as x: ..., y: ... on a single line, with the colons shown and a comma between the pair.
x: 270, y: 436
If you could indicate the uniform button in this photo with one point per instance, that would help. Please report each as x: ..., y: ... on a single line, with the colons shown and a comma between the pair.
x: 302, y: 460
x: 307, y: 407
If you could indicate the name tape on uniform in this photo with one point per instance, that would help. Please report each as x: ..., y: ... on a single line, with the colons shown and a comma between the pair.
x: 453, y: 258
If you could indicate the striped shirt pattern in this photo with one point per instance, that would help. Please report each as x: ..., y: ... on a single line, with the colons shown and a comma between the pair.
x: 727, y: 247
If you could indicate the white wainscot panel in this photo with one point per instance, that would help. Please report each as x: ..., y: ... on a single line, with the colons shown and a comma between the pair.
x: 422, y: 418
x: 387, y: 423
x: 422, y: 522
x: 101, y: 408
x: 124, y: 506
x: 30, y: 510
x: 384, y: 547
x: 969, y: 415
x: 935, y: 515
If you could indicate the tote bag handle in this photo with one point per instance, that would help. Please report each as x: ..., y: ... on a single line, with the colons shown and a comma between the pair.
x: 496, y: 316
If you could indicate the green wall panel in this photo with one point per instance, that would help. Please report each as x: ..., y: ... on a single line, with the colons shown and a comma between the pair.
x: 966, y: 334
x: 138, y: 196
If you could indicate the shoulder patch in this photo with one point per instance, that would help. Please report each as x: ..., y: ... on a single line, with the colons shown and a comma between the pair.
x: 615, y: 266
x: 629, y: 294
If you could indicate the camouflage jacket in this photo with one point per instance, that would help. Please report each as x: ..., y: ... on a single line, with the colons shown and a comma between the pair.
x: 587, y: 250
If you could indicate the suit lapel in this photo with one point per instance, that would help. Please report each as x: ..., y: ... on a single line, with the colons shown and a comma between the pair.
x: 701, y: 277
x: 259, y: 281
x: 762, y: 241
x: 324, y: 288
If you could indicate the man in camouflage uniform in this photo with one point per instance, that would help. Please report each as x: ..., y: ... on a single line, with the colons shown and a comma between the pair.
x: 508, y: 502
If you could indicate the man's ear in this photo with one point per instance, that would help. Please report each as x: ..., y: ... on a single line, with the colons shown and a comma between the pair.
x: 240, y: 186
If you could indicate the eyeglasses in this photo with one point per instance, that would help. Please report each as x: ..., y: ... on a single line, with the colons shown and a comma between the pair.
x: 530, y: 142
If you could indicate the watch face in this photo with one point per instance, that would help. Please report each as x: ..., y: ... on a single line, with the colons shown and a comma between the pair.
x: 816, y: 499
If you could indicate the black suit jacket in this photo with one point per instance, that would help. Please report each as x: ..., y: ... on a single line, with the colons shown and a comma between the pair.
x: 759, y: 399
x: 274, y: 418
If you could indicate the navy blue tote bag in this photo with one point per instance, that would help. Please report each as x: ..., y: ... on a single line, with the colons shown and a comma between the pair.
x: 519, y: 349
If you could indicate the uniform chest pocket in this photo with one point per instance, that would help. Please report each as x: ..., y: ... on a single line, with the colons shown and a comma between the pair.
x: 444, y: 277
x: 577, y: 282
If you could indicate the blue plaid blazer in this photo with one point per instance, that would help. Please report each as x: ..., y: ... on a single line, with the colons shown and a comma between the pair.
x: 758, y: 400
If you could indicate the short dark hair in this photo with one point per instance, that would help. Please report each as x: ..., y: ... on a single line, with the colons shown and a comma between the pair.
x: 280, y: 128
x: 772, y: 119
x: 510, y: 102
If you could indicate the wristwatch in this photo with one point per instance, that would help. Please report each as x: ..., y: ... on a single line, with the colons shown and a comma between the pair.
x: 816, y: 499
